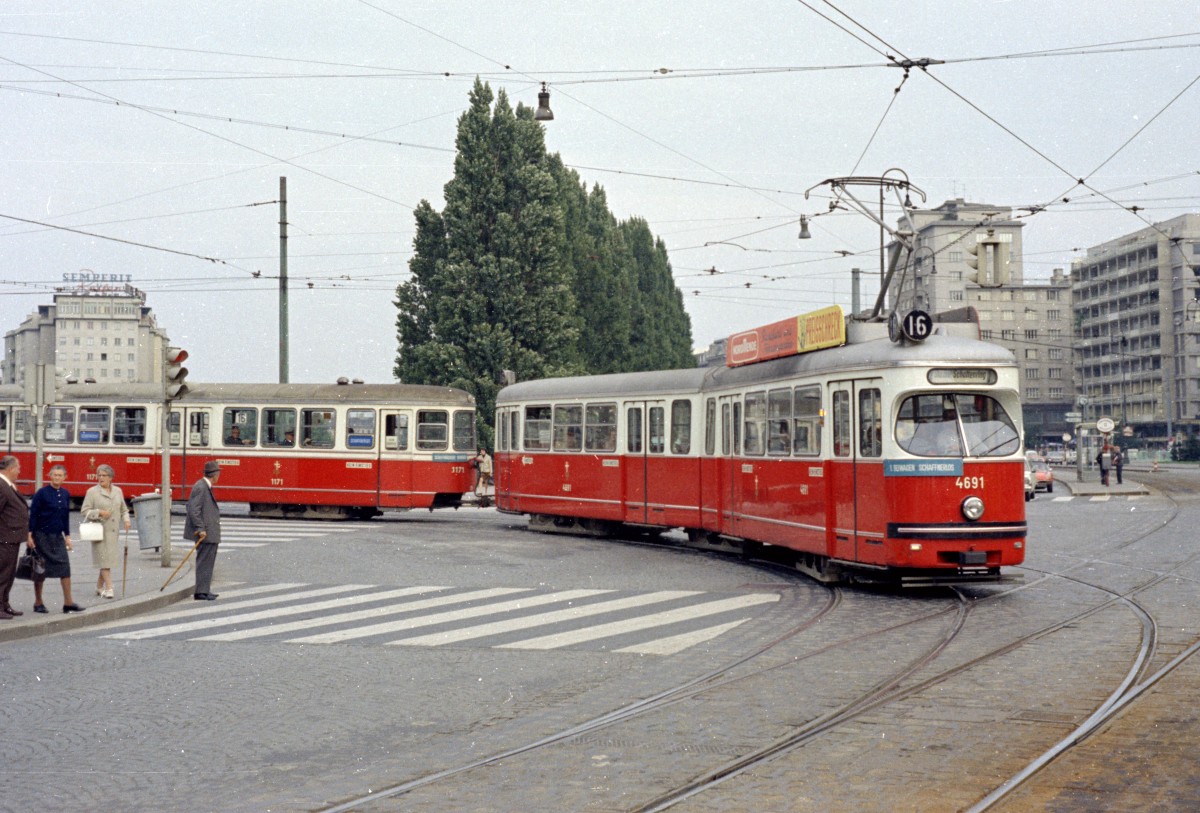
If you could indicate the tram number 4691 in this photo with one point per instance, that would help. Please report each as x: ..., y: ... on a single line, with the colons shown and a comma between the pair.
x: 968, y: 483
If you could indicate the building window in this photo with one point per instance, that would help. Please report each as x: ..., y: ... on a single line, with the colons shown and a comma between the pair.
x: 1054, y: 315
x: 1054, y: 372
x: 1033, y: 373
x: 1033, y: 393
x: 1056, y: 333
x: 1030, y: 354
x: 955, y: 257
x: 1008, y: 335
x: 985, y: 335
x: 1056, y: 393
x: 1052, y: 295
x: 1006, y: 315
x: 1054, y: 353
x: 956, y: 296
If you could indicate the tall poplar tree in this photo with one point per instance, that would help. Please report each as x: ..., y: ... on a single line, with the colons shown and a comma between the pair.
x: 489, y: 289
x: 525, y: 269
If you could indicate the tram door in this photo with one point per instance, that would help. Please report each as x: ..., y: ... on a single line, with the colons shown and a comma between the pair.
x: 191, y: 446
x: 395, y: 459
x: 854, y: 473
x: 645, y: 444
x: 730, y: 411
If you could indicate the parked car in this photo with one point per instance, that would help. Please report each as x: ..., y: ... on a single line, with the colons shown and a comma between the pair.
x: 1030, y: 481
x: 1043, y: 476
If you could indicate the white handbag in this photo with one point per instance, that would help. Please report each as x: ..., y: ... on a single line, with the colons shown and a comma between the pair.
x: 90, y: 531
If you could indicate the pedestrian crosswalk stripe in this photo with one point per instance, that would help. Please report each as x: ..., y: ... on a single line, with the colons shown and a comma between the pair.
x: 342, y: 618
x: 569, y: 614
x: 203, y: 609
x: 1100, y: 498
x: 274, y: 612
x: 389, y: 627
x: 677, y: 643
x: 641, y: 622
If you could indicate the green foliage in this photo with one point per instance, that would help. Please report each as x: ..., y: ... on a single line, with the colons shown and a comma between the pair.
x: 1189, y: 450
x: 526, y: 270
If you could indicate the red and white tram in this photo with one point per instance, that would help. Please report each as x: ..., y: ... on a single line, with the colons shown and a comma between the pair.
x: 876, y: 460
x: 317, y: 450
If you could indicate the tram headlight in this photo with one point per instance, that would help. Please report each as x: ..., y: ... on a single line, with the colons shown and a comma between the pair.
x: 972, y: 508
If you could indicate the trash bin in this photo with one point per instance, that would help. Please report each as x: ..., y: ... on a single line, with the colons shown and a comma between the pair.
x: 148, y: 509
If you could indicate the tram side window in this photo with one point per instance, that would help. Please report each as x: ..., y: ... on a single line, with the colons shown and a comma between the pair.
x: 755, y: 423
x: 318, y: 428
x: 60, y: 424
x: 22, y: 432
x: 990, y: 430
x: 433, y: 429
x: 129, y: 425
x: 710, y: 426
x: 4, y: 426
x: 600, y: 428
x: 537, y: 428
x: 198, y: 428
x: 633, y: 430
x: 779, y: 422
x: 395, y: 430
x: 93, y: 424
x: 841, y: 424
x: 502, y: 431
x: 657, y: 427
x: 278, y: 427
x: 870, y: 423
x: 464, y: 431
x: 681, y: 427
x: 568, y: 428
x: 173, y: 422
x: 239, y: 426
x: 928, y: 425
x: 726, y: 430
x: 514, y: 420
x: 360, y: 429
x: 806, y: 431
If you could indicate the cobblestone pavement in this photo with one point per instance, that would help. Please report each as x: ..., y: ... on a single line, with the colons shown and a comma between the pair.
x: 250, y: 720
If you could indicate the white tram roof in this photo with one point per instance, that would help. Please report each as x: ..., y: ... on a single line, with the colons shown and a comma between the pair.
x: 872, y: 355
x: 251, y: 394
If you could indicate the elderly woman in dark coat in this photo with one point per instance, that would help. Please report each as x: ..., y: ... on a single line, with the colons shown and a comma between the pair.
x: 50, y: 530
x: 106, y: 503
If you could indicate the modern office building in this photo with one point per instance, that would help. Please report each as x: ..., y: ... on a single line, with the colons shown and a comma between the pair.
x: 100, y: 331
x: 1138, y: 338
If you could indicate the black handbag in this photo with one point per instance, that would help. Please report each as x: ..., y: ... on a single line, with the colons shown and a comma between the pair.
x: 30, y: 566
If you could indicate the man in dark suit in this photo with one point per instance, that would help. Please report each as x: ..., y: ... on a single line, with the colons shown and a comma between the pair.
x: 203, y: 525
x: 14, y: 530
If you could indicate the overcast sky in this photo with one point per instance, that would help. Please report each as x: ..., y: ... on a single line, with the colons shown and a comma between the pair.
x: 169, y: 124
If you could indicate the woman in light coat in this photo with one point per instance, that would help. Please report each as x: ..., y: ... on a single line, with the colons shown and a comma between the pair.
x: 105, y: 502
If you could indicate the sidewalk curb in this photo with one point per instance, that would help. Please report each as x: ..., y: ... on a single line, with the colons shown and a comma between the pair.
x: 95, y: 614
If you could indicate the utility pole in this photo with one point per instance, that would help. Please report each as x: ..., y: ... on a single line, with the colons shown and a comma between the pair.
x: 283, y: 283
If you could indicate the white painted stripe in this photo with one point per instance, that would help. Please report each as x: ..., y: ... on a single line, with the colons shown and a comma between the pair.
x: 375, y: 612
x: 206, y: 608
x: 1062, y: 499
x: 392, y: 626
x: 525, y: 622
x: 1100, y: 498
x: 642, y: 622
x: 242, y: 618
x: 677, y: 643
x: 236, y: 545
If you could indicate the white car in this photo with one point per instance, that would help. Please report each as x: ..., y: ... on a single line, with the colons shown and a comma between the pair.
x: 1030, y: 481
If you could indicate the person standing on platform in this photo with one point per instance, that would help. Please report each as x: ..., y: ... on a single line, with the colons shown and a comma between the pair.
x: 14, y: 531
x: 1104, y: 460
x: 483, y: 472
x: 50, y: 532
x: 106, y: 502
x: 1118, y: 462
x: 203, y: 526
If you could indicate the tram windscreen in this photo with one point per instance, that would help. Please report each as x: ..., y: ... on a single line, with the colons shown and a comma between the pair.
x: 938, y: 425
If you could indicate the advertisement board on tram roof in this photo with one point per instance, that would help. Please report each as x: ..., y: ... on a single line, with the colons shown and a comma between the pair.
x: 815, y: 330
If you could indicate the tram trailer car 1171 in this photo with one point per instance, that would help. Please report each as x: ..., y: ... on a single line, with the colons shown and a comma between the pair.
x: 874, y: 461
x: 289, y: 450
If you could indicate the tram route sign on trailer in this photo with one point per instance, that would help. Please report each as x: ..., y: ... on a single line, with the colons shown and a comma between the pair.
x: 915, y: 326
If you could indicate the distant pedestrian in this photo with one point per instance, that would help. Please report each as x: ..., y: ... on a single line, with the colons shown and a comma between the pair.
x: 1118, y: 462
x: 203, y: 526
x: 14, y: 530
x: 1104, y: 460
x: 50, y: 535
x: 105, y: 502
x: 483, y: 472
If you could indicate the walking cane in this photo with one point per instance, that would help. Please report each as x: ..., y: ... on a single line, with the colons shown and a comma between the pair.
x: 125, y: 563
x: 189, y: 553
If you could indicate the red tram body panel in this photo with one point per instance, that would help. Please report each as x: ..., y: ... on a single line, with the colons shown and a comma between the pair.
x: 871, y: 461
x: 287, y: 449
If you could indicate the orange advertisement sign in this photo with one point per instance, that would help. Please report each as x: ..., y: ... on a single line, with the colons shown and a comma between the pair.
x: 798, y: 334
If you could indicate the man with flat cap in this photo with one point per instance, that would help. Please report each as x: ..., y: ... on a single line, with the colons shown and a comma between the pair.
x: 203, y: 526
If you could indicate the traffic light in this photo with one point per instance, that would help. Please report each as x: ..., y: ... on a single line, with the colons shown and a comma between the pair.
x: 989, y: 257
x: 174, y: 373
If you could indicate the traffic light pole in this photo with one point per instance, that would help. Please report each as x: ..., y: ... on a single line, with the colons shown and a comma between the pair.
x: 166, y: 484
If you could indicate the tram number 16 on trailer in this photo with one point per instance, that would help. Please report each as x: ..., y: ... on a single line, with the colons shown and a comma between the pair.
x: 915, y: 326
